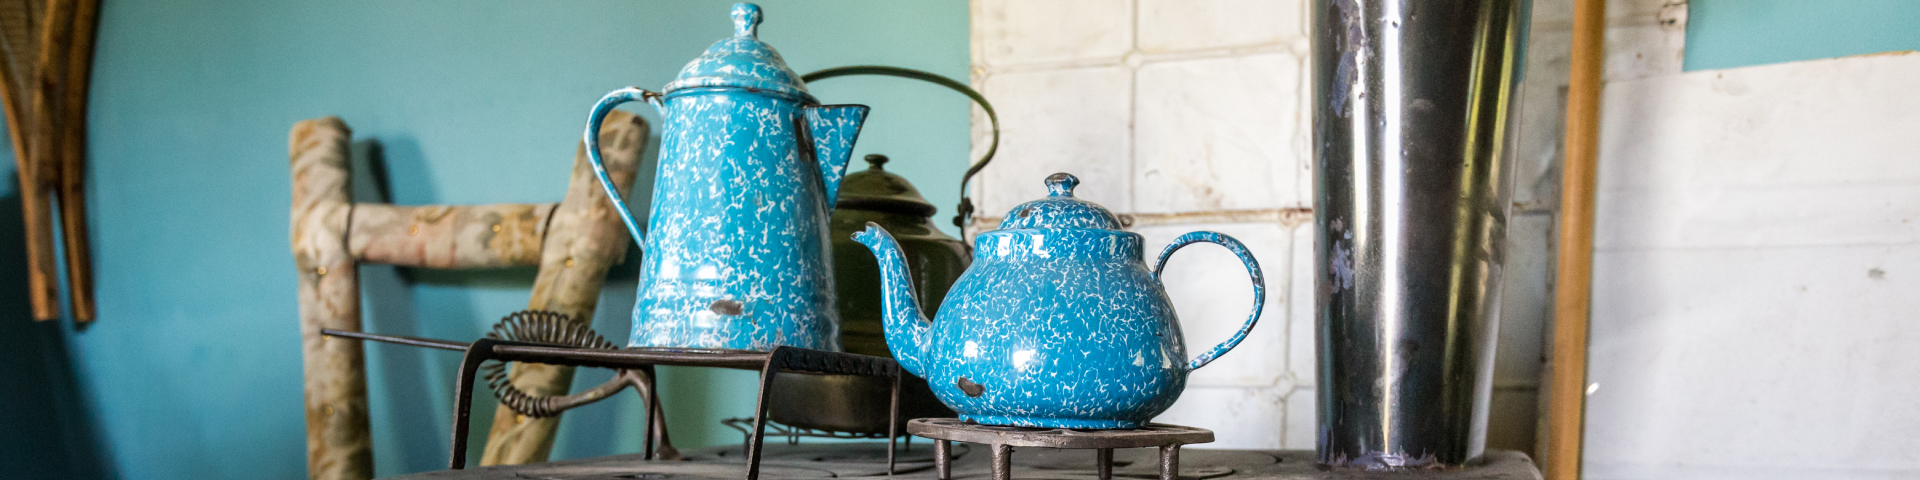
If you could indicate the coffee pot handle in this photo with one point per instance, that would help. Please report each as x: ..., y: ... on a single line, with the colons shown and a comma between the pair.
x: 1253, y: 270
x: 592, y: 137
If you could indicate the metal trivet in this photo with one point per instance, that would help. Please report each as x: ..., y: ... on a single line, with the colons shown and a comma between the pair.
x: 631, y: 362
x: 944, y: 431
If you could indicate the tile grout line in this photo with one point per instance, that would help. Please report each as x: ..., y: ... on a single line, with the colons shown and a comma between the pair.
x: 1133, y: 109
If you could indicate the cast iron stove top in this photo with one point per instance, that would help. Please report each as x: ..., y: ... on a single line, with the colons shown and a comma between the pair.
x: 869, y: 459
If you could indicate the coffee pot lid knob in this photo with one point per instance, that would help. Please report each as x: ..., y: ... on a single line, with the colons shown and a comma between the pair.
x: 746, y: 20
x: 742, y: 61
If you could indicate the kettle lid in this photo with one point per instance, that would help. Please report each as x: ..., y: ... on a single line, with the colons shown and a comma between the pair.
x: 1060, y: 209
x: 880, y: 190
x: 742, y: 61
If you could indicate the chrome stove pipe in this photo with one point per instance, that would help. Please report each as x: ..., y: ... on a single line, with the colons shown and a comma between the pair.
x: 1411, y: 193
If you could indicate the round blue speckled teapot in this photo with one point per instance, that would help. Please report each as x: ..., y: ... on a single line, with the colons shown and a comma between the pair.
x: 749, y: 163
x: 1058, y: 323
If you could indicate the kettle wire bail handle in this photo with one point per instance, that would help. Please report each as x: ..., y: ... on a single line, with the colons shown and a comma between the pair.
x: 592, y: 139
x: 964, y: 212
x: 1253, y: 271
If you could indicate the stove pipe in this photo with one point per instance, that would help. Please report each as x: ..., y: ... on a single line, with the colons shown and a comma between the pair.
x: 1411, y: 128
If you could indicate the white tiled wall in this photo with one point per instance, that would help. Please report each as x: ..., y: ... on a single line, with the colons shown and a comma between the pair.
x: 1183, y: 114
x: 1205, y: 133
x: 1186, y: 111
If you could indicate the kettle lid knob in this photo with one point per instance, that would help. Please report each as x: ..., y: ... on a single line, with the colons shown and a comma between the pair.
x: 746, y: 20
x: 1061, y: 184
x: 1061, y: 210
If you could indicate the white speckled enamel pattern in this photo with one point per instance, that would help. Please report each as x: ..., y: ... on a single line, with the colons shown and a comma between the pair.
x: 742, y: 62
x: 1058, y: 323
x: 737, y: 253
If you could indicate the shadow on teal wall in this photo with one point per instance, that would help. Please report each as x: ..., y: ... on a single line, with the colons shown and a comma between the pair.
x: 1739, y: 33
x: 193, y: 370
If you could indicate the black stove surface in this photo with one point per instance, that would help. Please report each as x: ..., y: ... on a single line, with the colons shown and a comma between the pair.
x: 869, y: 459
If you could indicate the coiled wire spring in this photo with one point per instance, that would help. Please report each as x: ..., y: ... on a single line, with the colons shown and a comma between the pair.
x: 545, y: 328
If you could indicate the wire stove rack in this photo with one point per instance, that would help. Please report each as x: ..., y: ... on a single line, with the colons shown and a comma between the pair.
x: 551, y: 333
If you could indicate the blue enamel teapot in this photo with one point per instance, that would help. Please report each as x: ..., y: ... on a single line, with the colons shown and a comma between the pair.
x: 1058, y: 323
x: 749, y: 163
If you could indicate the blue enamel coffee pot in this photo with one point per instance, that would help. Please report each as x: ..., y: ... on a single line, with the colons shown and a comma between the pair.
x: 1058, y: 323
x: 749, y: 163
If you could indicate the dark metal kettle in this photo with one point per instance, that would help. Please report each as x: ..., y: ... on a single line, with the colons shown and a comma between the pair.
x: 842, y: 403
x: 859, y: 405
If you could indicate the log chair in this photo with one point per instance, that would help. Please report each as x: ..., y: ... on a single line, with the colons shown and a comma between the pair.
x: 573, y: 243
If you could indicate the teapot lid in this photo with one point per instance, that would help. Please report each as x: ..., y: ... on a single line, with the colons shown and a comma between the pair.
x: 1060, y: 209
x: 742, y: 61
x: 879, y: 190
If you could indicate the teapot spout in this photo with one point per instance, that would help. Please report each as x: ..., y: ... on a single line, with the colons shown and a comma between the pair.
x: 909, y: 333
x: 833, y: 129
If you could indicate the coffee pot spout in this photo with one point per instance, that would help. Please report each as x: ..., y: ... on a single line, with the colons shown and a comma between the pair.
x: 909, y: 333
x: 833, y: 129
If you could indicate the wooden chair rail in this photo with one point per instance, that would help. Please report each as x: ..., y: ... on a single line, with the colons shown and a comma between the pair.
x: 573, y: 242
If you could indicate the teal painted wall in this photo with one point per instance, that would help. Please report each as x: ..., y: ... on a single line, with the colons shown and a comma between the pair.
x: 194, y: 369
x: 1738, y: 33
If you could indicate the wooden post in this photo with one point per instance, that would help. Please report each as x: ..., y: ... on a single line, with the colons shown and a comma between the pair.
x: 1574, y: 273
x: 41, y: 168
x: 338, y: 443
x: 72, y: 160
x: 586, y: 237
x: 43, y: 84
x: 17, y: 25
x: 573, y: 242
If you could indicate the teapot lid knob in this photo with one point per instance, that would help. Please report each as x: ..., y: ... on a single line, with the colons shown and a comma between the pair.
x: 746, y: 20
x: 875, y: 161
x: 1061, y: 184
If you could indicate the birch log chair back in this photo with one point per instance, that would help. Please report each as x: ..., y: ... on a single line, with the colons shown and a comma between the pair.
x: 573, y: 243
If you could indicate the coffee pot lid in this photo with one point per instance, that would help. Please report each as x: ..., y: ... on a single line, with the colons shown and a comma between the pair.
x: 880, y: 190
x: 742, y: 61
x: 1060, y: 209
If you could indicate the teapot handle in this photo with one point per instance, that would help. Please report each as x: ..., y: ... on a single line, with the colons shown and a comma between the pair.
x: 592, y: 138
x: 1253, y: 270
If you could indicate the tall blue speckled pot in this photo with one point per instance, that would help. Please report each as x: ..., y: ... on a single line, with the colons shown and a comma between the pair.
x: 1058, y: 323
x: 749, y: 163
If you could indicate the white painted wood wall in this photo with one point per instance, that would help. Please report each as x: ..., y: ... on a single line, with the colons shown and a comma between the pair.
x: 1757, y: 274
